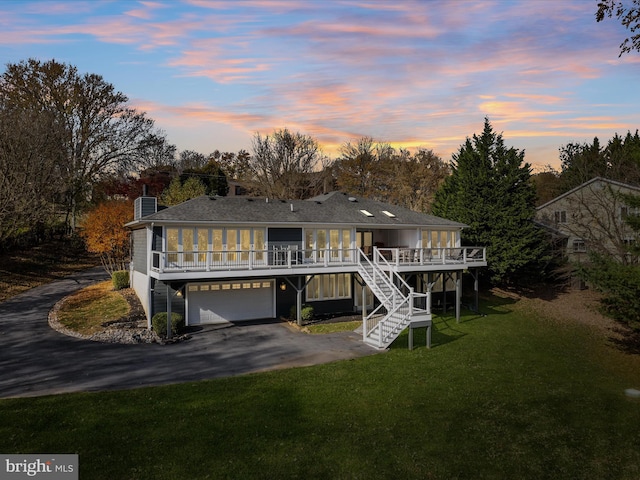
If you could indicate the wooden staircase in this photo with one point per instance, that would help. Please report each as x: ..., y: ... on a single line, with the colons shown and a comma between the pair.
x: 396, y: 310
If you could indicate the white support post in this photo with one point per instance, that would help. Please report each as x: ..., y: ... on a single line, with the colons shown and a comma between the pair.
x: 410, y: 303
x: 169, y: 311
x: 458, y: 295
x: 299, y: 302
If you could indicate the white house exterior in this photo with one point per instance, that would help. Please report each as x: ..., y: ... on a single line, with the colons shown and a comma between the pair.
x: 222, y: 259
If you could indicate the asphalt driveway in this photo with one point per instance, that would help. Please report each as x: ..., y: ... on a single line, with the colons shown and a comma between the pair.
x: 37, y: 360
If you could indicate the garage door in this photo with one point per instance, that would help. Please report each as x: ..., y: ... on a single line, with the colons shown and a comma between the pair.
x: 219, y: 302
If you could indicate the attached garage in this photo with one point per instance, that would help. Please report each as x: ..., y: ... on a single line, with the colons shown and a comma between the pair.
x: 219, y: 302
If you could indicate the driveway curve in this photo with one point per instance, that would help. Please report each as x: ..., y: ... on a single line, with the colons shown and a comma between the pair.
x: 37, y: 360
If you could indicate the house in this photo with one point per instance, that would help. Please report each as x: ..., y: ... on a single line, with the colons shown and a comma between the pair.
x: 591, y: 218
x: 221, y: 259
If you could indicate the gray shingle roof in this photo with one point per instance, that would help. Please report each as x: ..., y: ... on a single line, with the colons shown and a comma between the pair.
x: 332, y: 208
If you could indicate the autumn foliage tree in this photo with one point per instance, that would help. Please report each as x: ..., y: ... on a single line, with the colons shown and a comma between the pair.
x: 105, y: 234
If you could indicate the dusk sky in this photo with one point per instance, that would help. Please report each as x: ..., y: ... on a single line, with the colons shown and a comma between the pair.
x: 411, y: 73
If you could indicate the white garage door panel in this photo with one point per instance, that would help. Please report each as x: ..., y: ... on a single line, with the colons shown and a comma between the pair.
x: 224, y: 301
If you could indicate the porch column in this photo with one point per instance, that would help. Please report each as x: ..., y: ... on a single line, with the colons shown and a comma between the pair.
x: 299, y: 301
x: 299, y: 288
x: 169, y: 311
x: 445, y: 277
x: 458, y: 295
x: 477, y: 290
x: 150, y: 283
x: 429, y: 287
x: 364, y: 301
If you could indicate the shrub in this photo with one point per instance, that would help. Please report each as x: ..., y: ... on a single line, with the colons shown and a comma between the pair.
x: 159, y: 323
x: 120, y: 279
x: 306, y: 313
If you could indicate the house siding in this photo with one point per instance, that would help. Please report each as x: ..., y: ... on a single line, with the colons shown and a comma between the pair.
x: 590, y: 217
x: 139, y: 253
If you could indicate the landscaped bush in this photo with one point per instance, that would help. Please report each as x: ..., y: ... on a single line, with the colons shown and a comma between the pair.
x: 120, y: 279
x: 159, y: 323
x: 306, y: 313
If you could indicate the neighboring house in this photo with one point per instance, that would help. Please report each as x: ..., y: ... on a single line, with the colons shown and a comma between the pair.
x: 591, y: 219
x: 220, y: 259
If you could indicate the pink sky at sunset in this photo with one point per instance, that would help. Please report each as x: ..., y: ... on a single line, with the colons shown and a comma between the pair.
x: 411, y: 73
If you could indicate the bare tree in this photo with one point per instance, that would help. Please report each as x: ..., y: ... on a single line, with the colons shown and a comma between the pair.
x: 101, y: 135
x: 358, y: 170
x: 235, y: 165
x: 415, y: 178
x: 189, y: 160
x: 285, y: 164
x: 153, y: 153
x: 29, y: 156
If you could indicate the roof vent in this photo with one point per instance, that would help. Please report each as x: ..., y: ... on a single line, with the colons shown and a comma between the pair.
x: 353, y: 199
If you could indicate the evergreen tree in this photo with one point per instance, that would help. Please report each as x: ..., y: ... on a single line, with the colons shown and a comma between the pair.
x: 490, y: 190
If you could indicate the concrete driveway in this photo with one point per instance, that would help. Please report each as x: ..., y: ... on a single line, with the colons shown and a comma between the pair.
x: 37, y: 360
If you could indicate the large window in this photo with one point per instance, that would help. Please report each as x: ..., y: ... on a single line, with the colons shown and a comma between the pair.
x: 203, y: 244
x: 216, y: 244
x: 173, y: 244
x: 187, y: 244
x: 440, y: 239
x: 194, y: 243
x: 338, y: 241
x: 329, y: 287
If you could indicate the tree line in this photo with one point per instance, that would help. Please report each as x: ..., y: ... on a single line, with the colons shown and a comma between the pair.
x: 72, y: 149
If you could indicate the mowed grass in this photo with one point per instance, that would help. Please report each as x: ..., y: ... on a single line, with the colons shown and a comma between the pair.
x: 324, y: 328
x: 509, y: 395
x: 86, y: 310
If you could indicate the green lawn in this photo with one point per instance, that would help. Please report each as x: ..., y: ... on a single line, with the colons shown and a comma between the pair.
x: 506, y: 396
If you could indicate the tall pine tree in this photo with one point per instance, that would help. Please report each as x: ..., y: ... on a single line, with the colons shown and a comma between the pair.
x: 490, y: 190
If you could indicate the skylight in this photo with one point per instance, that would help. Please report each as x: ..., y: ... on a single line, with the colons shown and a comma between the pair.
x: 367, y: 213
x: 388, y: 214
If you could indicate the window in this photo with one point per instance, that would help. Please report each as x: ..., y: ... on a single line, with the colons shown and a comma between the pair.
x: 195, y: 243
x: 439, y: 238
x: 329, y: 287
x: 216, y: 244
x: 232, y: 244
x: 560, y: 216
x: 187, y: 244
x: 203, y: 244
x: 316, y: 241
x: 245, y: 244
x: 172, y: 244
x: 346, y: 244
x: 334, y: 243
x: 258, y: 244
x: 629, y: 211
x: 579, y: 246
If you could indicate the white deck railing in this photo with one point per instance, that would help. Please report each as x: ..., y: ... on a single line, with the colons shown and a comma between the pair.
x: 289, y: 258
